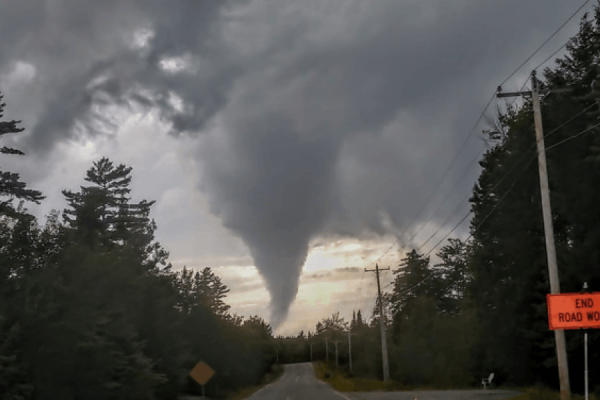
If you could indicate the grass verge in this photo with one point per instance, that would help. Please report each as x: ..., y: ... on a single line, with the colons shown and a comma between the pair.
x: 274, y: 373
x: 541, y: 393
x: 343, y: 383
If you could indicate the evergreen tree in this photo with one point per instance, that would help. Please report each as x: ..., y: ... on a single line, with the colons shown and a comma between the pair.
x: 508, y: 259
x: 211, y: 291
x: 104, y: 216
x: 10, y: 185
x: 14, y: 382
x: 413, y: 279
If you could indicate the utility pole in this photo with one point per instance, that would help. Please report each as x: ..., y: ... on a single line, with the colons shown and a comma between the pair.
x: 311, y: 352
x: 350, y: 352
x: 384, y: 352
x: 559, y: 335
x: 326, y: 351
x: 336, y: 355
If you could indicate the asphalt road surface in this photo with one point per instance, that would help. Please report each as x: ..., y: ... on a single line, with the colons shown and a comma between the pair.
x: 298, y: 382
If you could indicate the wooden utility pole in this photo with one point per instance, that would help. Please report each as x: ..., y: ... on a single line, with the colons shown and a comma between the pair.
x: 559, y: 335
x: 384, y: 352
x: 311, y: 352
x: 326, y: 351
x: 350, y: 352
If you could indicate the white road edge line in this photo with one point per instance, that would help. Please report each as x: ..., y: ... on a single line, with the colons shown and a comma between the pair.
x: 335, y: 391
x: 339, y: 394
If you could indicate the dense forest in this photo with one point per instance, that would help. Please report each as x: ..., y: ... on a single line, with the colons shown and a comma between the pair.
x: 90, y: 308
x: 481, y: 307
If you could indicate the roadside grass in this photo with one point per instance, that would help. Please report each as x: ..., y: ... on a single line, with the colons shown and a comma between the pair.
x: 275, y: 373
x: 541, y: 393
x: 343, y: 383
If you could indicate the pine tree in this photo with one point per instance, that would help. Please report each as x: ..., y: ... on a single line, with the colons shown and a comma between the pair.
x: 359, y: 320
x: 10, y: 185
x: 415, y: 278
x: 508, y: 258
x: 211, y: 291
x: 453, y: 274
x: 103, y: 215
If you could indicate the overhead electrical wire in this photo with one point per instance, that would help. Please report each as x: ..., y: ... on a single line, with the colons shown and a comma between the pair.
x: 527, y: 152
x: 455, y: 227
x: 442, y: 179
x: 500, y: 181
x: 551, y: 55
x: 516, y: 164
x: 504, y: 195
x: 451, y: 191
x: 481, y: 116
x: 543, y: 44
x: 471, y: 134
x: 572, y: 137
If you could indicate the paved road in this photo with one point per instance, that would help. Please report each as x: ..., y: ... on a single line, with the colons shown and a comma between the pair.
x: 298, y: 382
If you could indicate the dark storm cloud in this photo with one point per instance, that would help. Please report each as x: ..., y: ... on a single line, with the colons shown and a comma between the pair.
x: 84, y: 58
x: 335, y: 117
x: 342, y: 126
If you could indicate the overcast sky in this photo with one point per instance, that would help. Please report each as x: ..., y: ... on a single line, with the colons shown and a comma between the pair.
x: 288, y: 144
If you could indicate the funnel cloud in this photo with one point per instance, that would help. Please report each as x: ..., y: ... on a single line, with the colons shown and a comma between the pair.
x: 312, y: 119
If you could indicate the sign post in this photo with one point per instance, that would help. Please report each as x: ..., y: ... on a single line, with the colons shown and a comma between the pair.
x: 585, y: 340
x: 585, y: 350
x: 202, y: 374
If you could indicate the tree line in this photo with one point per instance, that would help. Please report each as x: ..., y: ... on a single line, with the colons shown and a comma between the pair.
x: 482, y: 307
x: 90, y: 307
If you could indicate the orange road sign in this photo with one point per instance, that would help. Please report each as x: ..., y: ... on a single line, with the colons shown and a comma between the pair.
x: 202, y: 373
x: 573, y: 310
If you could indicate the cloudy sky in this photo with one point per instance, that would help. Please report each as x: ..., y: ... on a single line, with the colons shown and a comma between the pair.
x: 288, y: 144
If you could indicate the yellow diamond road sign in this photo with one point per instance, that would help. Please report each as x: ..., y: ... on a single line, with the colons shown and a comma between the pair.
x: 202, y: 373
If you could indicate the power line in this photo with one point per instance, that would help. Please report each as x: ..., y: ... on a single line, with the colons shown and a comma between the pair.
x: 451, y: 191
x: 516, y: 164
x: 466, y: 140
x: 465, y: 199
x: 453, y: 229
x: 571, y: 119
x: 557, y: 50
x: 551, y: 55
x: 443, y: 176
x: 500, y: 181
x: 572, y: 137
x: 543, y: 44
x: 433, y: 272
x: 523, y: 156
x: 498, y: 203
x: 458, y: 207
x: 464, y: 143
x: 516, y: 180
